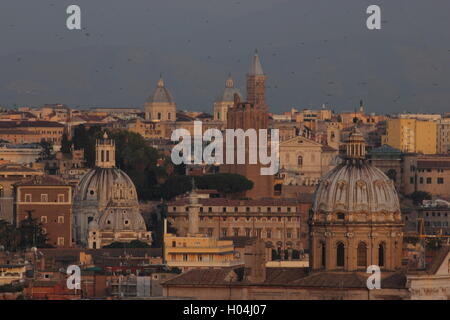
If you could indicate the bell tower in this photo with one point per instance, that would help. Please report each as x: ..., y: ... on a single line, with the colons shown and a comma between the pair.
x: 251, y: 114
x: 105, y: 152
x: 256, y: 84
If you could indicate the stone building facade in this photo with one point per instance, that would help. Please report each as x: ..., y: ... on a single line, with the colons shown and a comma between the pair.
x: 429, y: 173
x: 10, y: 174
x: 280, y: 223
x: 49, y: 200
x: 304, y: 161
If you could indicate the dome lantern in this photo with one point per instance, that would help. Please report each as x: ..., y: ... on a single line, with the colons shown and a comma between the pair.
x: 105, y: 152
x: 356, y: 145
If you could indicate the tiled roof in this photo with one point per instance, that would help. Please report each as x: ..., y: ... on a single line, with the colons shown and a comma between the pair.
x: 236, y: 203
x: 16, y: 131
x: 74, y: 252
x: 292, y: 277
x: 43, y: 181
x: 14, y: 167
x: 438, y: 260
x: 327, y: 148
x: 30, y: 124
x: 433, y: 164
x: 385, y: 149
x: 240, y: 241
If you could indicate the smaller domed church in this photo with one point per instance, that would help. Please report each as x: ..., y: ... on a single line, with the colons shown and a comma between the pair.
x: 106, y: 206
x: 160, y: 106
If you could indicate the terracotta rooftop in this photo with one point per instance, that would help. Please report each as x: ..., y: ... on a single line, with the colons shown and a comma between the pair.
x: 292, y: 277
x: 43, y: 181
x: 236, y: 203
x: 438, y: 260
x: 423, y: 164
x: 15, y: 167
x: 29, y: 124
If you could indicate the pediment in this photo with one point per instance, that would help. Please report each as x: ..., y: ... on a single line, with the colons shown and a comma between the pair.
x: 300, y: 141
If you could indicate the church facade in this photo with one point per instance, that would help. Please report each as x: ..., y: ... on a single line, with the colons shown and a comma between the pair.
x: 355, y: 220
x: 106, y: 207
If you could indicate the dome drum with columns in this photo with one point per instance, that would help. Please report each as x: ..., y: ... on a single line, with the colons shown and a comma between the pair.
x: 355, y: 219
x: 106, y: 206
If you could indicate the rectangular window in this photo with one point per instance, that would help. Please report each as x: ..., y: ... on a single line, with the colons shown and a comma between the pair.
x: 289, y: 233
x: 224, y: 232
x: 269, y: 233
x: 44, y: 197
x: 440, y: 180
x: 60, y: 241
x: 60, y: 197
x: 44, y: 219
x: 411, y: 180
x: 28, y: 197
x: 60, y: 219
x: 428, y: 180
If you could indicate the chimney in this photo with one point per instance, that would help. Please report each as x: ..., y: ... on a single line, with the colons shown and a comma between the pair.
x: 255, y: 261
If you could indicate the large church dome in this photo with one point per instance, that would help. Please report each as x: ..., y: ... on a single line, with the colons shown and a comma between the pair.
x: 104, y: 185
x: 106, y: 206
x: 356, y: 186
x: 355, y: 220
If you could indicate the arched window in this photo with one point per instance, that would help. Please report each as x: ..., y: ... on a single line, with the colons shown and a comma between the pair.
x: 323, y: 255
x: 340, y: 254
x: 1, y: 190
x: 362, y: 255
x: 381, y: 255
x: 300, y: 161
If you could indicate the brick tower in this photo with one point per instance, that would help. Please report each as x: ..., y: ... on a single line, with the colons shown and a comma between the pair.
x: 256, y: 84
x: 251, y: 115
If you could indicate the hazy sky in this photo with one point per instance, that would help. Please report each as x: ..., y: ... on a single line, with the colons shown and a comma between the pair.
x: 313, y: 52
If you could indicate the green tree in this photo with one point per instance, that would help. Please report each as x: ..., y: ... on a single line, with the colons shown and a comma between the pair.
x: 47, y: 150
x: 133, y: 155
x: 9, y: 236
x: 225, y: 183
x: 65, y: 144
x: 84, y: 138
x: 392, y: 174
x: 418, y: 196
x: 139, y: 161
x: 131, y: 244
x: 32, y: 234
